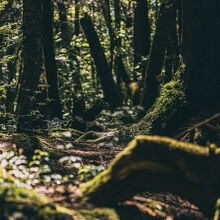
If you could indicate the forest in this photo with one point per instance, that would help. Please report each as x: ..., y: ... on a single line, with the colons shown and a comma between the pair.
x: 109, y: 109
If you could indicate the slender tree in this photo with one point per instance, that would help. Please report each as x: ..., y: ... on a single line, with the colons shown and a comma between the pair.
x: 67, y: 32
x: 108, y: 85
x: 55, y: 109
x: 141, y: 39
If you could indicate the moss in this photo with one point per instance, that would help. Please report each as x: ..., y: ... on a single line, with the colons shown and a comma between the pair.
x: 149, y: 160
x: 65, y: 133
x: 100, y: 214
x: 88, y: 136
x: 29, y: 205
x: 170, y: 102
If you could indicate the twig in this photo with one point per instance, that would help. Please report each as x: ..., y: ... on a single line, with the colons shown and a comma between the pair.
x: 197, y: 125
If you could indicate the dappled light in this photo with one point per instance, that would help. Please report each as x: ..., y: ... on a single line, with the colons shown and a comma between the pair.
x: 109, y: 110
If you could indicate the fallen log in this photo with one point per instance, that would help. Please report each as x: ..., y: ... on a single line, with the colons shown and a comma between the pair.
x: 159, y: 164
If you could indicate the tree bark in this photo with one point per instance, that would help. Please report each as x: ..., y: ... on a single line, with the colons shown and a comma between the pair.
x: 200, y: 51
x: 33, y: 62
x: 55, y: 109
x: 108, y: 85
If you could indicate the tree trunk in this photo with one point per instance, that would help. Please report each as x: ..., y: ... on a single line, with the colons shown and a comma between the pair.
x: 55, y: 109
x: 200, y: 51
x: 159, y: 164
x: 33, y: 62
x: 172, y: 51
x: 65, y: 28
x: 141, y: 35
x: 156, y: 57
x: 108, y: 20
x: 78, y: 105
x: 102, y: 67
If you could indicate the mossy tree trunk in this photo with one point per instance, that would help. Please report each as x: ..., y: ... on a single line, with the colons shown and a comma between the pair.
x: 32, y: 61
x: 195, y: 86
x: 159, y: 164
x: 111, y: 94
x: 55, y: 109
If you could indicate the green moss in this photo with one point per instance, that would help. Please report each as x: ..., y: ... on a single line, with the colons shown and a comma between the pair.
x: 170, y: 102
x: 100, y: 214
x: 29, y: 205
x: 65, y: 133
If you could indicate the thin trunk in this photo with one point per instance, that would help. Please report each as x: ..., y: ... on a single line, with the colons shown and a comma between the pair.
x: 119, y: 67
x: 108, y: 20
x: 55, y: 109
x: 141, y: 38
x: 78, y: 104
x: 66, y: 34
x: 172, y: 51
x: 108, y: 85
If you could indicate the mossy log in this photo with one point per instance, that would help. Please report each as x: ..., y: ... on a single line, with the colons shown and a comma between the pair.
x: 160, y: 164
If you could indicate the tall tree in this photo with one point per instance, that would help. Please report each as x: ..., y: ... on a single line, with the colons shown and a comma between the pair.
x: 55, y: 109
x: 33, y: 61
x: 200, y: 49
x: 141, y: 35
x: 66, y: 35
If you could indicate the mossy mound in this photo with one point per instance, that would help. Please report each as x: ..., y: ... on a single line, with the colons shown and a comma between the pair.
x: 100, y: 214
x: 22, y: 203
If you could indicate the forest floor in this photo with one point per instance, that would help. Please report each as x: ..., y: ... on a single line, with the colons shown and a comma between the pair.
x: 91, y: 152
x: 98, y: 154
